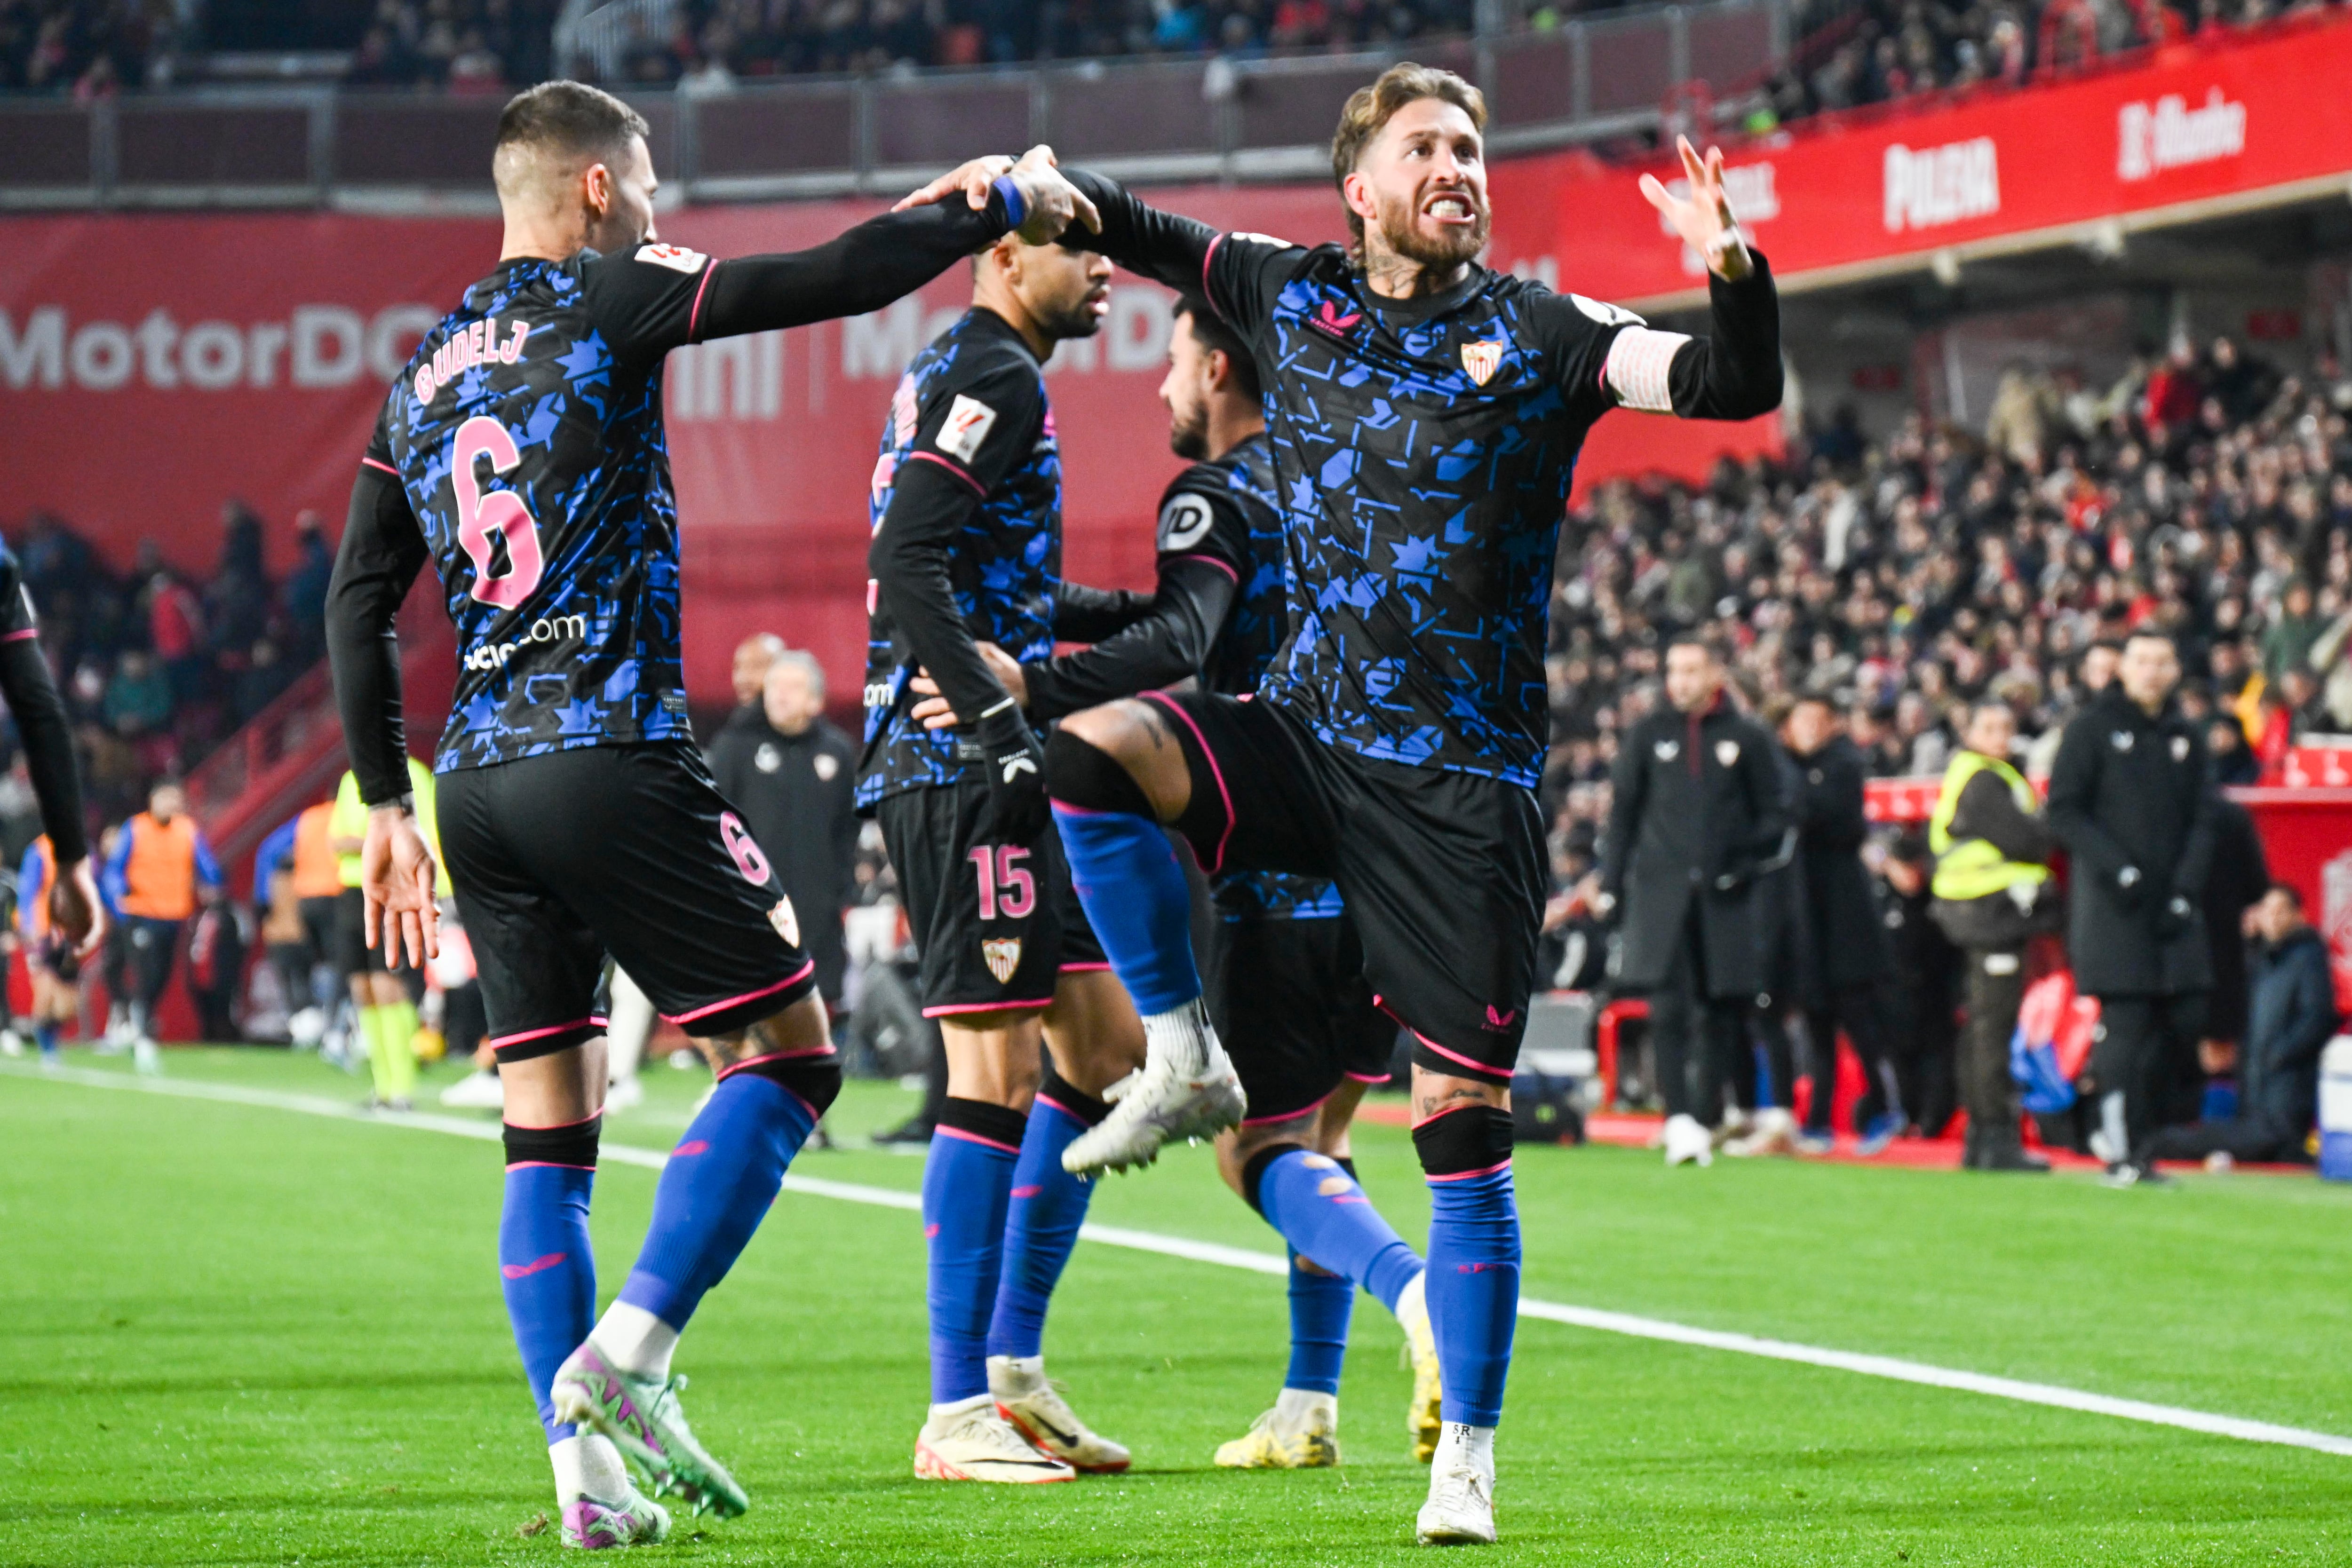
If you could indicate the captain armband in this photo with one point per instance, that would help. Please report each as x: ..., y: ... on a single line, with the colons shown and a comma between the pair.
x: 1639, y: 368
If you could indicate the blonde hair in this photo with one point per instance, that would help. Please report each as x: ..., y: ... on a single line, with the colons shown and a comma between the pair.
x: 1369, y: 109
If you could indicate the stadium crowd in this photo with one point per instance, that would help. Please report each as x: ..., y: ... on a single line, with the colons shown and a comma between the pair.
x: 2204, y: 493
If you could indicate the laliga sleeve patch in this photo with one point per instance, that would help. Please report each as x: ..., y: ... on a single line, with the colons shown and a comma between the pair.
x: 1608, y: 314
x: 676, y: 257
x: 968, y: 424
x: 1184, y: 522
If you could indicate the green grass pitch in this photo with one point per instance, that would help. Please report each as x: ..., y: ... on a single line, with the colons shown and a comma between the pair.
x: 241, y: 1335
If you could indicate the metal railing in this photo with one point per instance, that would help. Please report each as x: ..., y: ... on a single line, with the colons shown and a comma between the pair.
x: 1142, y: 120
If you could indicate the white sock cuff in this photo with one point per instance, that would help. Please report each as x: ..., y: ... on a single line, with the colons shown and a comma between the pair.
x: 635, y: 1341
x: 955, y: 1408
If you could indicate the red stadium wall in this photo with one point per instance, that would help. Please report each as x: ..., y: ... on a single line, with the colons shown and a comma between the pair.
x: 152, y: 366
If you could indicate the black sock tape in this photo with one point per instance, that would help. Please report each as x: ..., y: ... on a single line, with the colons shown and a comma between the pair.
x: 1475, y: 1138
x: 1255, y: 1172
x: 1347, y: 1164
x: 1080, y: 1104
x: 1080, y: 773
x: 815, y: 1079
x: 990, y: 1123
x: 574, y: 1145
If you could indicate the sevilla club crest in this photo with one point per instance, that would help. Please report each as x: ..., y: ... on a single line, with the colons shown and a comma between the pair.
x: 1002, y: 954
x: 1481, y: 360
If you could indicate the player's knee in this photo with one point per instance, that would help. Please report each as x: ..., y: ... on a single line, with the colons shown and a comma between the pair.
x: 1468, y: 1141
x: 1084, y: 766
x: 1253, y: 1166
x: 574, y: 1145
x: 775, y: 1050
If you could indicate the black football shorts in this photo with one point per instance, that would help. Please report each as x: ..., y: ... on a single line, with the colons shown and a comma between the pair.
x: 1443, y: 872
x: 996, y: 924
x: 559, y: 859
x: 1288, y: 997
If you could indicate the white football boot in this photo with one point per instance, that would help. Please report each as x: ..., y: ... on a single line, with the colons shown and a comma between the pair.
x: 971, y: 1440
x: 1039, y: 1413
x: 1300, y: 1433
x: 1186, y: 1089
x: 1461, y: 1506
x: 1687, y: 1143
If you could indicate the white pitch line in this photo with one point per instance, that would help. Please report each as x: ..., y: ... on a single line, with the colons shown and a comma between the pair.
x: 1891, y: 1367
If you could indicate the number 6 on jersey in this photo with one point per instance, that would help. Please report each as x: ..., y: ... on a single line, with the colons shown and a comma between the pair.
x: 482, y: 436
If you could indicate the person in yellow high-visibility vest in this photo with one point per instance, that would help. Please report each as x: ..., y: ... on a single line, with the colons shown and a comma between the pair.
x: 383, y: 1012
x: 1991, y: 893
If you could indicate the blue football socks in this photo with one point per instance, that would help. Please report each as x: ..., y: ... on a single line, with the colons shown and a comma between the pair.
x: 1137, y: 900
x: 719, y: 1181
x: 1049, y: 1206
x: 546, y: 1269
x: 1320, y: 1305
x: 967, y: 1188
x: 1324, y: 1214
x: 1474, y: 1290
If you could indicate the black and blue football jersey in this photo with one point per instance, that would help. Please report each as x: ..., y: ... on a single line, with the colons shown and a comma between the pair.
x: 527, y: 434
x: 974, y: 403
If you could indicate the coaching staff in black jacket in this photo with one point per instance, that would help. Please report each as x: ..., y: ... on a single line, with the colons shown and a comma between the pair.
x: 1696, y: 813
x: 2130, y: 799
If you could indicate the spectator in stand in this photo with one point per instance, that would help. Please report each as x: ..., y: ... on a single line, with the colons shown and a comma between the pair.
x: 1992, y: 893
x: 1696, y: 814
x: 2234, y: 762
x: 2131, y: 800
x: 792, y: 776
x: 2291, y: 1018
x: 282, y: 937
x: 2288, y: 644
x: 160, y: 873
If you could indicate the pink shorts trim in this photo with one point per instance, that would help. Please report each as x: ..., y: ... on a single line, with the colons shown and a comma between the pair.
x: 547, y: 1165
x: 20, y: 636
x: 502, y: 1041
x: 795, y: 978
x: 1307, y: 1109
x: 1057, y: 1104
x: 1466, y: 1175
x: 1371, y: 1077
x: 1215, y: 772
x: 1081, y: 969
x: 974, y: 1138
x: 953, y: 1007
x: 371, y: 463
x: 804, y: 1051
x: 1479, y: 1067
x: 1066, y: 810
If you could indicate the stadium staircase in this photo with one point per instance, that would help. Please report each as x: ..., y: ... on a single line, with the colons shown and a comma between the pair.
x: 290, y: 754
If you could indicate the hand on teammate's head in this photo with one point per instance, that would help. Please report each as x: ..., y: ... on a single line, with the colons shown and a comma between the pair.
x: 1050, y: 201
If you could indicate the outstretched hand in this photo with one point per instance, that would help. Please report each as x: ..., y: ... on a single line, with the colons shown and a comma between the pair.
x: 1704, y: 217
x: 1050, y: 203
x: 396, y: 878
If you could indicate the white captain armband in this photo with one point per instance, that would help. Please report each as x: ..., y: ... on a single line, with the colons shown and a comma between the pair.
x: 1638, y: 366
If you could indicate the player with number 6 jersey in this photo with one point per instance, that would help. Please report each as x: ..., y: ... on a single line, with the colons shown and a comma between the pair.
x: 521, y: 452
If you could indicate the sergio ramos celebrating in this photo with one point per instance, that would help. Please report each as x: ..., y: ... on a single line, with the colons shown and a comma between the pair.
x: 1424, y: 414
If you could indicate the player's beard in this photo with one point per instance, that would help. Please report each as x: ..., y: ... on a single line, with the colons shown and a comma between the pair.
x: 1450, y: 248
x: 1075, y: 319
x: 1188, y: 433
